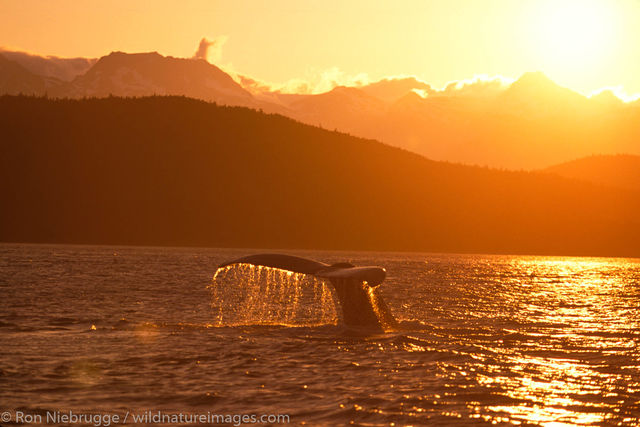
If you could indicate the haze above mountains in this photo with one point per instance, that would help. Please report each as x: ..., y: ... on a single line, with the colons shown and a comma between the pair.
x: 529, y: 124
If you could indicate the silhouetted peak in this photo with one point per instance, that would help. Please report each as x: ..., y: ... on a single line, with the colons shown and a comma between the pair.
x: 536, y: 88
x: 152, y: 63
x: 118, y: 53
x: 534, y: 80
x: 606, y: 97
x: 410, y: 97
x: 341, y: 101
x: 118, y: 56
x: 410, y: 101
x: 147, y: 73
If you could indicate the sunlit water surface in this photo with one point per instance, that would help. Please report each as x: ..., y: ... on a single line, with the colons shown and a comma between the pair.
x: 484, y: 339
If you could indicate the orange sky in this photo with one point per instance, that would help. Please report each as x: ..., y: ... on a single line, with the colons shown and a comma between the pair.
x: 581, y: 44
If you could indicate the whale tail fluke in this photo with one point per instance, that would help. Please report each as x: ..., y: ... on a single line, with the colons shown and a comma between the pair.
x: 356, y: 287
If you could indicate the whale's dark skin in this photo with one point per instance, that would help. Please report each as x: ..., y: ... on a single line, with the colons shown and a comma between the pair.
x: 356, y: 287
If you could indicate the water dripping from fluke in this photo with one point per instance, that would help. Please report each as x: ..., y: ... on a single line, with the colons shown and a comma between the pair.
x: 278, y: 289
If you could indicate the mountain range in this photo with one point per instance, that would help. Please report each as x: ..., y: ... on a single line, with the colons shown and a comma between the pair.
x: 178, y: 171
x: 620, y: 171
x: 532, y: 123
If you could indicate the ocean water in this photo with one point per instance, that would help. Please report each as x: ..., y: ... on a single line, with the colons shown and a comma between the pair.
x: 483, y: 339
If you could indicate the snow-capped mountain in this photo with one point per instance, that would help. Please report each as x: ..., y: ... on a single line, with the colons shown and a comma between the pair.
x: 530, y: 124
x: 143, y: 74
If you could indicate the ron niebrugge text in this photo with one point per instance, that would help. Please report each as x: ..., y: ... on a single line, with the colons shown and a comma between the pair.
x: 145, y: 417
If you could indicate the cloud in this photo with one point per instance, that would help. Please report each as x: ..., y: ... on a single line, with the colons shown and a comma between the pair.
x: 325, y: 80
x: 480, y: 85
x: 320, y: 81
x: 253, y: 84
x: 314, y: 82
x: 210, y: 50
x: 617, y: 91
x: 392, y: 88
x: 49, y: 66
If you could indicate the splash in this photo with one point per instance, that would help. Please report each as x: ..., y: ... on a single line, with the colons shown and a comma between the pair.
x: 243, y: 294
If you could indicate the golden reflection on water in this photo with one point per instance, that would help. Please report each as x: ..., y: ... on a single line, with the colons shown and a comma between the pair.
x: 549, y: 395
x: 578, y: 311
x: 488, y: 339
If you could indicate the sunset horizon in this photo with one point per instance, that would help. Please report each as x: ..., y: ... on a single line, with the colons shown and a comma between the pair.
x: 402, y: 111
x: 326, y: 80
x: 337, y: 212
x: 582, y: 45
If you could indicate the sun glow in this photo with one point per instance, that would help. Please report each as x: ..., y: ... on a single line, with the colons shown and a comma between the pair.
x: 575, y: 36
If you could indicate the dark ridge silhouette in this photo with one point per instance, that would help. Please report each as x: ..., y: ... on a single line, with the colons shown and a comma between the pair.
x: 176, y: 171
x: 621, y: 170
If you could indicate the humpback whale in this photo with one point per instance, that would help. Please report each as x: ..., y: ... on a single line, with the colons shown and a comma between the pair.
x: 356, y: 287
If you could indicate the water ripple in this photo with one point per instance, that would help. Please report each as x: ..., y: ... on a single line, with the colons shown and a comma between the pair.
x: 482, y: 339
